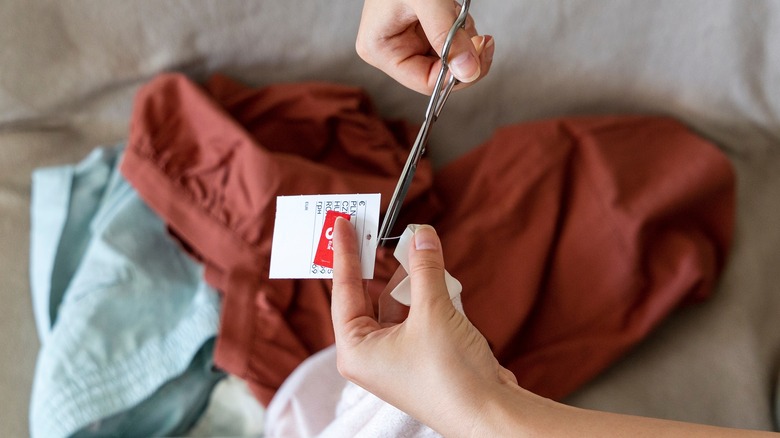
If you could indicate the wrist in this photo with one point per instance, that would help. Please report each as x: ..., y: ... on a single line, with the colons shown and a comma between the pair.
x: 458, y: 409
x: 509, y: 410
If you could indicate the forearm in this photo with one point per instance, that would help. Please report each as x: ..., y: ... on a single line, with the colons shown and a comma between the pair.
x: 516, y: 412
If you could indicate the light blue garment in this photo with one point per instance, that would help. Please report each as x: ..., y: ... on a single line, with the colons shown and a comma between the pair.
x: 172, y: 410
x: 121, y: 310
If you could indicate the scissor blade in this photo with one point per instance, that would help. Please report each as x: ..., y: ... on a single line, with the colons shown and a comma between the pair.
x: 402, y: 187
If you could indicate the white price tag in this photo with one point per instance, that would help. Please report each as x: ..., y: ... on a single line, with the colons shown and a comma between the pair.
x: 301, y: 246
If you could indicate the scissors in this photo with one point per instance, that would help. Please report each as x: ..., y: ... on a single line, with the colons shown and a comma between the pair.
x: 441, y: 91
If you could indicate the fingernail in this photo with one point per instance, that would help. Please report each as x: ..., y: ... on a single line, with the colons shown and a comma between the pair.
x: 465, y: 67
x: 343, y: 220
x: 425, y: 238
x: 479, y: 43
x: 490, y: 48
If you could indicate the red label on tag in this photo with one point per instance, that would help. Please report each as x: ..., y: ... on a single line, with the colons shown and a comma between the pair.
x: 324, y: 255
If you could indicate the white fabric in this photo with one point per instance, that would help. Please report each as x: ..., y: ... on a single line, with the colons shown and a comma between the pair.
x: 232, y: 411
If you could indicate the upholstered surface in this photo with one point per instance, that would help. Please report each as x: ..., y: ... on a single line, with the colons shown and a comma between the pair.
x: 69, y: 69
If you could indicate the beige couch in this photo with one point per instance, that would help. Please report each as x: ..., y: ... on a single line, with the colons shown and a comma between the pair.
x: 68, y: 71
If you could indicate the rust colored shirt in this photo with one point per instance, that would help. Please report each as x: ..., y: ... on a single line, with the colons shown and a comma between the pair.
x: 572, y: 237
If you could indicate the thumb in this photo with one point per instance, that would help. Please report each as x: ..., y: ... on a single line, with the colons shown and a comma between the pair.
x: 436, y: 19
x: 426, y: 265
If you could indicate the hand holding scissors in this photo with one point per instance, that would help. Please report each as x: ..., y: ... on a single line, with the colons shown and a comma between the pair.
x: 404, y: 39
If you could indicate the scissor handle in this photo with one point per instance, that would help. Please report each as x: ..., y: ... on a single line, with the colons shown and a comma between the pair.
x: 460, y: 23
x: 442, y: 92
